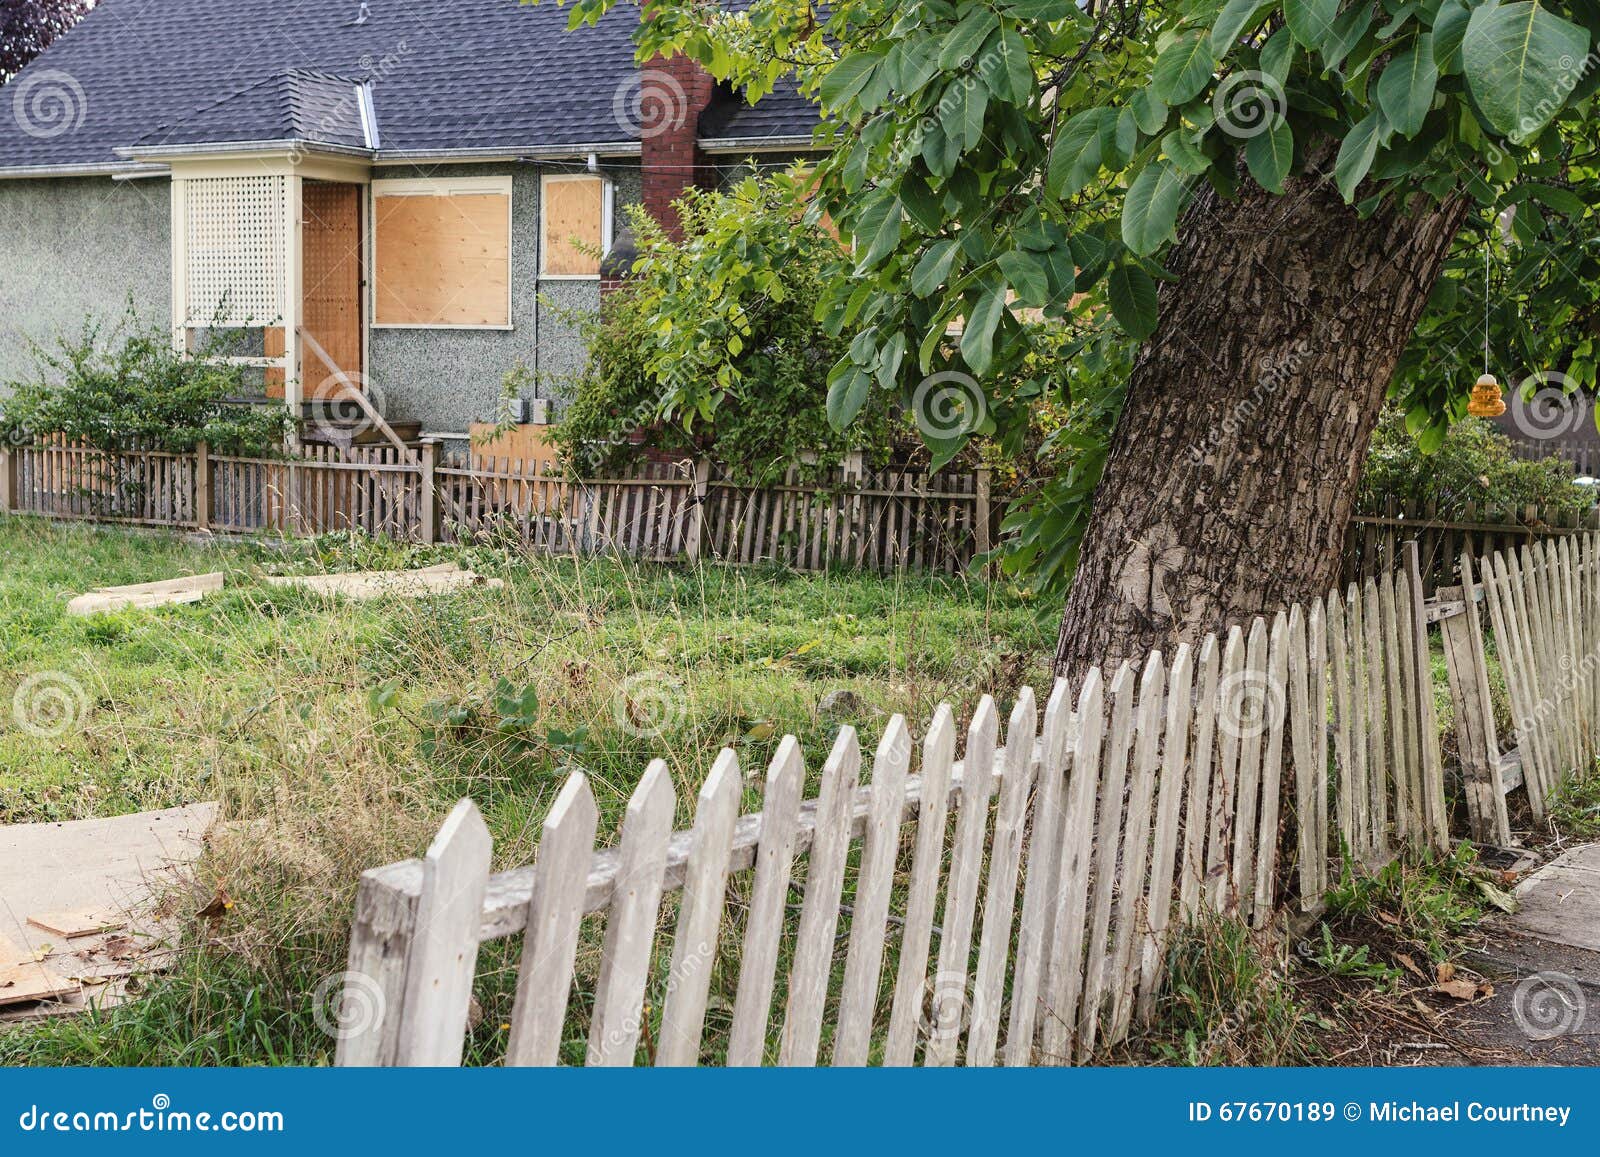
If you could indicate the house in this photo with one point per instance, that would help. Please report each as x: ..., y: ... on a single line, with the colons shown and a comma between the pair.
x: 405, y: 197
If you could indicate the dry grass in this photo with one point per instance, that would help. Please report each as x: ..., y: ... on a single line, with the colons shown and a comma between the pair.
x: 336, y: 736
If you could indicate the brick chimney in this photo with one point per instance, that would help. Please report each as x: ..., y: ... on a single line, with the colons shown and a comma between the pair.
x: 673, y: 92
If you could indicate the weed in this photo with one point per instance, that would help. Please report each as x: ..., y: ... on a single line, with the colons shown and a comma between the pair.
x: 1230, y: 1000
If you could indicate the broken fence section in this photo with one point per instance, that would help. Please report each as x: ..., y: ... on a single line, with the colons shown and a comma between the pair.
x: 1011, y: 906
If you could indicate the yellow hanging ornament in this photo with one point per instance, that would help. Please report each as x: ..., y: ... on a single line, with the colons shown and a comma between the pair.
x: 1486, y: 401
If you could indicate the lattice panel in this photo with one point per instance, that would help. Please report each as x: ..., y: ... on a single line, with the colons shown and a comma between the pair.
x: 235, y: 249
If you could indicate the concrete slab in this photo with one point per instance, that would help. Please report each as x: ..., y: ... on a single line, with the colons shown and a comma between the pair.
x: 1561, y: 901
x: 101, y: 864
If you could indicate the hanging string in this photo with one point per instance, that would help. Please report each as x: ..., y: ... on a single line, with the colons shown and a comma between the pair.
x: 1486, y: 243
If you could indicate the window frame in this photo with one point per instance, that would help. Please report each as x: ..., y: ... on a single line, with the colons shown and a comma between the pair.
x: 441, y: 187
x: 607, y: 222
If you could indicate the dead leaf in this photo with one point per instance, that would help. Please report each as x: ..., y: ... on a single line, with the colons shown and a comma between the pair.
x: 220, y: 904
x: 1444, y: 973
x: 1459, y: 989
x: 1389, y: 918
x: 1501, y: 900
x: 1410, y: 965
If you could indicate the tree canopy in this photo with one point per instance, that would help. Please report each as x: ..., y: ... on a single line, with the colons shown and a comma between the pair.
x: 994, y: 157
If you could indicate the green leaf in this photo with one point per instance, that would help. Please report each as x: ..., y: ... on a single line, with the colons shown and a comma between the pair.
x: 1520, y: 62
x: 1132, y: 294
x: 1184, y: 69
x: 1348, y: 29
x: 877, y: 232
x: 1182, y: 152
x: 1150, y: 210
x: 847, y: 78
x: 1075, y: 159
x: 847, y: 395
x: 962, y: 117
x: 977, y: 341
x: 1236, y: 17
x: 962, y: 42
x: 1449, y: 26
x: 1269, y: 155
x: 1026, y: 275
x: 1277, y: 55
x: 1406, y: 87
x: 1124, y: 139
x: 1149, y: 110
x: 1311, y: 21
x: 1041, y: 9
x: 1356, y: 154
x: 922, y: 203
x: 1016, y: 70
x: 934, y: 267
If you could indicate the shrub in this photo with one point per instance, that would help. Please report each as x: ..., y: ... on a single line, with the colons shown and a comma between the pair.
x: 1474, y: 463
x: 713, y: 344
x: 107, y: 390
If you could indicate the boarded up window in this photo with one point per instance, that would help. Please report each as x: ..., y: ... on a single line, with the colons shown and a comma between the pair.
x: 574, y: 225
x: 442, y: 254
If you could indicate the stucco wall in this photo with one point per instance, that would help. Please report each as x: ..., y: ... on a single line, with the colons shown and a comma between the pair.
x: 72, y: 247
x: 448, y: 379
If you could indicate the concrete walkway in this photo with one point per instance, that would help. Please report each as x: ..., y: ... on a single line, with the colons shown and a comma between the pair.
x: 1545, y: 962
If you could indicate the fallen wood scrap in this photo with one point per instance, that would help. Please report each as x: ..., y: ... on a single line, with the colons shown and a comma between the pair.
x: 446, y: 578
x: 166, y: 592
x: 23, y: 978
x: 71, y: 925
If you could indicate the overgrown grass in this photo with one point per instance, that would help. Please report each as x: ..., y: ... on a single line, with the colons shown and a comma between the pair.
x: 1230, y: 999
x: 335, y: 736
x: 1574, y: 810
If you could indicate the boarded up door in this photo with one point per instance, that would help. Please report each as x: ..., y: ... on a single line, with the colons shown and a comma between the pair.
x: 331, y: 234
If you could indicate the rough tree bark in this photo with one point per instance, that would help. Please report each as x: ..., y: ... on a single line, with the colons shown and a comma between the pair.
x: 1237, y: 456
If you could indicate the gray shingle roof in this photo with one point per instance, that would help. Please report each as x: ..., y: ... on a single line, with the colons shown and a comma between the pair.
x: 445, y: 75
x: 297, y: 105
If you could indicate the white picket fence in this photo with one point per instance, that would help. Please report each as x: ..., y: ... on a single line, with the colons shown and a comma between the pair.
x: 1057, y: 863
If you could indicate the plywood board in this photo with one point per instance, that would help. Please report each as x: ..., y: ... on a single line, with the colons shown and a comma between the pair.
x: 442, y: 260
x: 31, y: 981
x: 437, y: 580
x: 330, y: 232
x: 71, y: 925
x: 572, y: 213
x: 189, y: 589
x: 529, y: 445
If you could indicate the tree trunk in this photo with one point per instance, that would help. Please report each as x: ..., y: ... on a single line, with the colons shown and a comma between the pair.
x: 1235, y: 462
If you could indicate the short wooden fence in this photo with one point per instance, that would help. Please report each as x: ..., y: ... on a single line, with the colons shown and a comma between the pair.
x: 1232, y: 776
x: 1378, y: 534
x: 883, y: 521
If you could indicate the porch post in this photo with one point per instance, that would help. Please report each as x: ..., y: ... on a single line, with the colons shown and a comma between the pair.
x: 293, y: 259
x: 180, y: 264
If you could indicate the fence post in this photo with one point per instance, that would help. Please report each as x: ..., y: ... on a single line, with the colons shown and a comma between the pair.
x: 8, y: 480
x: 1476, y: 741
x: 1432, y: 759
x: 429, y: 499
x: 202, y: 486
x: 695, y: 532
